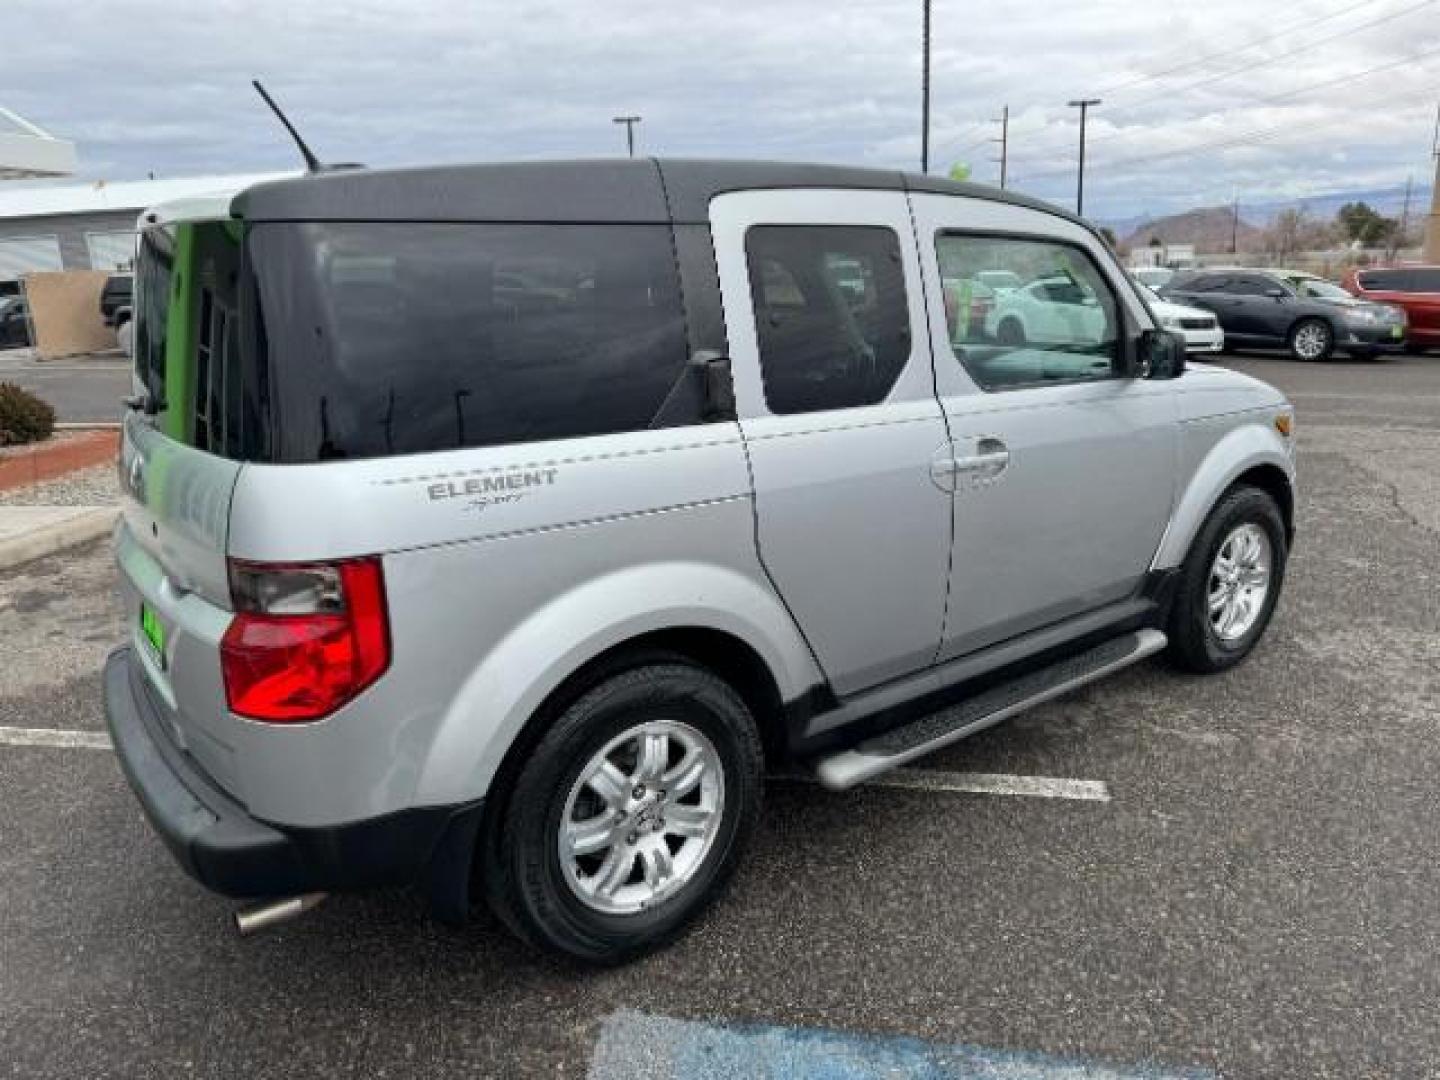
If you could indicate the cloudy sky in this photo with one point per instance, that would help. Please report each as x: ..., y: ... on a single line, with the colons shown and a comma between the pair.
x: 1275, y: 99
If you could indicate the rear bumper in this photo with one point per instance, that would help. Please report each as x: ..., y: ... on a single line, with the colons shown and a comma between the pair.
x: 221, y: 846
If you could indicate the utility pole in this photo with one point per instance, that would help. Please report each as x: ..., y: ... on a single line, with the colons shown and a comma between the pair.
x: 1398, y: 237
x: 1432, y: 227
x: 925, y: 92
x: 629, y: 122
x: 1004, y: 141
x: 1084, y: 105
x: 1234, y: 220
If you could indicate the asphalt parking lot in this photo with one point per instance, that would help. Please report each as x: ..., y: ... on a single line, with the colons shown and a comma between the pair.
x: 1257, y: 894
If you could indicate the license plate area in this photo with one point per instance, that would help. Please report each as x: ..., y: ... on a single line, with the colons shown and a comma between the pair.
x: 152, y: 632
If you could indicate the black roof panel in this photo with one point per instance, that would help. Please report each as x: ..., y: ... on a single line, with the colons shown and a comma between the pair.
x: 601, y: 190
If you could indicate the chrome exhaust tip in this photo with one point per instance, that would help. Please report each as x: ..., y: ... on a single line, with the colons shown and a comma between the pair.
x: 252, y: 920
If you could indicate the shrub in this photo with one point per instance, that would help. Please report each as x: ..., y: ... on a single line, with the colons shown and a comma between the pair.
x: 24, y: 418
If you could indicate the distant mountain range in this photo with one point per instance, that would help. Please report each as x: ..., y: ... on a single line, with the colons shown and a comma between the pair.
x: 1209, y: 228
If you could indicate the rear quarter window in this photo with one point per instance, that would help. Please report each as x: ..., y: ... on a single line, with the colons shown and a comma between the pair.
x: 396, y: 338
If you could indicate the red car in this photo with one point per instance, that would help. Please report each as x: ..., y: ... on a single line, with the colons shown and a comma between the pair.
x: 1414, y: 288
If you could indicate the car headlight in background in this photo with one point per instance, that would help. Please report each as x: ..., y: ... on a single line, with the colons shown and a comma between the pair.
x: 1365, y: 316
x: 1169, y: 322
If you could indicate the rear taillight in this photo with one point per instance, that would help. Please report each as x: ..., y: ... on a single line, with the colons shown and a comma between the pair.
x: 306, y: 638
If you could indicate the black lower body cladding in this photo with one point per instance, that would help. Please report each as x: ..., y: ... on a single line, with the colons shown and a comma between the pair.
x: 223, y: 847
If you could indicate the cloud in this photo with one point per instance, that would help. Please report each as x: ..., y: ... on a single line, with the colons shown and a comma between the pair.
x: 151, y: 86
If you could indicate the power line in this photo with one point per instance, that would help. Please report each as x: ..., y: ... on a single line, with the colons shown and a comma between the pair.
x: 1269, y: 132
x: 1198, y: 60
x: 1298, y: 49
x: 1208, y: 80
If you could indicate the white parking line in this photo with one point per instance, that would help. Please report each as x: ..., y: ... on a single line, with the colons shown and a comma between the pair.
x: 963, y: 783
x: 56, y: 737
x: 968, y: 783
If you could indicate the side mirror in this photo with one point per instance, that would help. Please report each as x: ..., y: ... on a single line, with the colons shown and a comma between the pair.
x: 1160, y: 354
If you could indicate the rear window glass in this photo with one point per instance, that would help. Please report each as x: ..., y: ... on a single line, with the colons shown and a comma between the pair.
x: 395, y: 338
x: 309, y: 342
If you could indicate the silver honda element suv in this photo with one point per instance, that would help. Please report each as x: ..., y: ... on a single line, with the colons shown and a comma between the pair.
x: 495, y: 529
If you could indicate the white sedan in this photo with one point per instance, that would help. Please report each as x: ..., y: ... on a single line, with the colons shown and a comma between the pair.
x: 1053, y: 310
x: 1200, y: 328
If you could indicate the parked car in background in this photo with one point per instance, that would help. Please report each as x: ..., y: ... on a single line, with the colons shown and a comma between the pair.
x: 1200, y: 328
x: 1416, y: 289
x: 1303, y: 313
x: 1154, y: 277
x: 1001, y: 281
x: 117, y: 299
x: 14, y: 323
x: 1060, y: 308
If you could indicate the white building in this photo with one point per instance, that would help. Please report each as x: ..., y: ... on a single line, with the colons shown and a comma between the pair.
x: 88, y: 226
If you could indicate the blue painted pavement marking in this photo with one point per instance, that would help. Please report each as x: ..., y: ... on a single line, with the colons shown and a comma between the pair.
x: 635, y: 1046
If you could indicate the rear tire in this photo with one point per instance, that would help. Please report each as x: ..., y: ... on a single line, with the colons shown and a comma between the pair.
x: 1243, y: 536
x: 1311, y: 339
x: 591, y: 856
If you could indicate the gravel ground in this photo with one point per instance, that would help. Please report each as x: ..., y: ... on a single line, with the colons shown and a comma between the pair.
x: 95, y: 486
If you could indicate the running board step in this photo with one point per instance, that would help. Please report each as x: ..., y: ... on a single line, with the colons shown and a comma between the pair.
x: 919, y: 737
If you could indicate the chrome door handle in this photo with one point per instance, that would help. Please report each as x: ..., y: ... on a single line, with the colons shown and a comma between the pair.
x: 989, y: 462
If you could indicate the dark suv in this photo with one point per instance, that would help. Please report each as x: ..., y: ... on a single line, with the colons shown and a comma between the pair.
x: 116, y: 299
x: 1308, y: 315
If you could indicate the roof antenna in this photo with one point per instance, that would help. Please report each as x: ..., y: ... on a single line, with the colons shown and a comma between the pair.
x: 312, y: 163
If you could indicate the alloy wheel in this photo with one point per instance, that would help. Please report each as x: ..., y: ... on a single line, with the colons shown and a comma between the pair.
x: 1239, y: 582
x: 641, y: 817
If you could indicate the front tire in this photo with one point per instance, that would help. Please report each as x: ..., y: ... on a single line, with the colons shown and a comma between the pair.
x: 1229, y: 583
x: 1311, y: 339
x: 629, y: 814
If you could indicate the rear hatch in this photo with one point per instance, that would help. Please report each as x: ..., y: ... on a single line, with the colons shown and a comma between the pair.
x: 177, y: 473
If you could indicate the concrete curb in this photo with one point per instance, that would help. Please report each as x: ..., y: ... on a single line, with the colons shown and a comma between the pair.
x: 86, y: 524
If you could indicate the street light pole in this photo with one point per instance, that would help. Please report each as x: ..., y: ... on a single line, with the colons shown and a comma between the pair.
x: 925, y: 92
x: 629, y: 122
x: 1083, y: 105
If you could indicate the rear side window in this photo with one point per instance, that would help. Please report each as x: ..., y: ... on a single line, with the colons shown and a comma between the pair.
x: 393, y: 338
x: 1251, y: 286
x: 1061, y: 325
x: 1197, y: 283
x: 1384, y: 280
x: 1416, y: 279
x: 1424, y: 279
x: 830, y: 314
